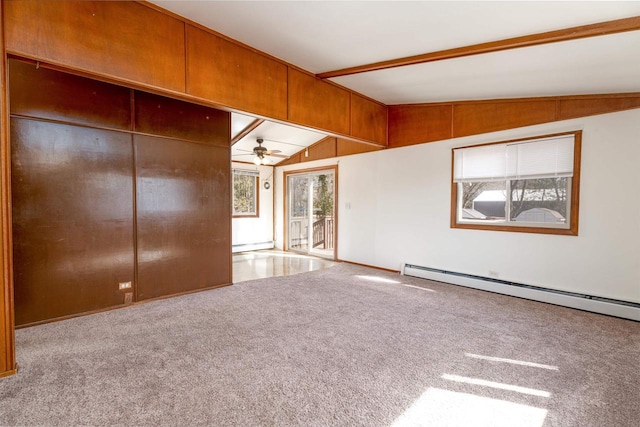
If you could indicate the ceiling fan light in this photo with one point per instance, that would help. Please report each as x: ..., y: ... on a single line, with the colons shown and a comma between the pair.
x: 256, y: 161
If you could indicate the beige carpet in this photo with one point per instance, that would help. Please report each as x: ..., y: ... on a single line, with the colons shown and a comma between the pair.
x: 344, y: 346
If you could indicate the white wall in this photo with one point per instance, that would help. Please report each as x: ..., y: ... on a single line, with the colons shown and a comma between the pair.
x: 256, y: 230
x: 400, y: 201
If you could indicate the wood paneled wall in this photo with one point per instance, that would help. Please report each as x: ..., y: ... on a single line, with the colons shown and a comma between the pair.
x: 7, y: 349
x: 127, y: 40
x: 113, y: 185
x: 72, y: 218
x: 140, y: 45
x: 347, y: 147
x: 235, y: 76
x: 162, y: 116
x: 330, y: 147
x: 368, y: 120
x: 417, y: 124
x: 321, y: 105
x: 421, y: 123
x: 52, y: 95
x: 183, y: 216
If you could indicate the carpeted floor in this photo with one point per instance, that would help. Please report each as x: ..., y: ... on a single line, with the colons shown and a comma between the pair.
x: 343, y: 346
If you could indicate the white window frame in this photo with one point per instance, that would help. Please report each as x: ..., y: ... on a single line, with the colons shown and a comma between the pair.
x: 256, y: 193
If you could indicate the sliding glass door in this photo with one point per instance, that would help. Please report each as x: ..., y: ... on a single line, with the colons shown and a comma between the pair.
x: 311, y: 212
x: 298, y: 232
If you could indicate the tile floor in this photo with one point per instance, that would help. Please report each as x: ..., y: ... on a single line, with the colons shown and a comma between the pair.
x: 270, y: 263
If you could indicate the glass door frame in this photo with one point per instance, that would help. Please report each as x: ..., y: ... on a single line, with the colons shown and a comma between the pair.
x: 311, y: 172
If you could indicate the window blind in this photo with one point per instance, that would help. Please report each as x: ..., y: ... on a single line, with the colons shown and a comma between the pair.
x: 246, y: 172
x: 483, y: 163
x: 535, y: 158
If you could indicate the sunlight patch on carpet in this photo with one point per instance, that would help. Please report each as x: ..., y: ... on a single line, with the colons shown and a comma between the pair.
x: 377, y: 279
x: 493, y: 384
x: 418, y: 287
x: 438, y: 407
x: 512, y: 361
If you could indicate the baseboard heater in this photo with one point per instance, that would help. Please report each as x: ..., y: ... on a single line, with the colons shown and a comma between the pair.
x: 243, y: 247
x: 611, y: 307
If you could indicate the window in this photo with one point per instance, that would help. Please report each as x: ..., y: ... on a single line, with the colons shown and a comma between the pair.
x: 527, y: 185
x: 245, y: 193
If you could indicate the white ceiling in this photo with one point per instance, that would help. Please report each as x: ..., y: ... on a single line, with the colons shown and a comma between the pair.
x: 607, y: 64
x: 239, y: 122
x: 288, y: 140
x: 322, y: 36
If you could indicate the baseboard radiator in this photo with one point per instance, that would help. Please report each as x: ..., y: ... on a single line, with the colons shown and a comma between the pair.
x: 252, y: 246
x: 611, y: 307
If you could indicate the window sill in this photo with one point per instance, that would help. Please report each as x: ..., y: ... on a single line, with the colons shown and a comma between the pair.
x: 563, y: 230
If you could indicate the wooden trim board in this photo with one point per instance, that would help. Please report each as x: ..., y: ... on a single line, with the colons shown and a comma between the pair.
x: 583, y: 31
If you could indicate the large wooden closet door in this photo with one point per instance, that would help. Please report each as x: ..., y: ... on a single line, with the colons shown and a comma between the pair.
x: 72, y: 218
x: 183, y: 216
x: 113, y: 185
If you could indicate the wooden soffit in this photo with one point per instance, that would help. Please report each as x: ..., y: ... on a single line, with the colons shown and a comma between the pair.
x: 142, y: 46
x: 420, y: 123
x: 330, y: 147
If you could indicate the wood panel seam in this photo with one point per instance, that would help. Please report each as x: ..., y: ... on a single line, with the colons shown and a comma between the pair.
x: 187, y: 88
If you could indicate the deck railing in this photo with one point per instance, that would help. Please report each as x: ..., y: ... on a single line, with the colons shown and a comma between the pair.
x: 323, y: 233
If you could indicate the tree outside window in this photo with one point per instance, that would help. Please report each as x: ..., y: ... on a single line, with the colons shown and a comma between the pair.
x: 245, y: 193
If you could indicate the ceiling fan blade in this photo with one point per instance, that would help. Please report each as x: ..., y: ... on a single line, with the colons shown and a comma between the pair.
x: 273, y: 151
x: 284, y: 142
x: 280, y: 156
x: 247, y: 151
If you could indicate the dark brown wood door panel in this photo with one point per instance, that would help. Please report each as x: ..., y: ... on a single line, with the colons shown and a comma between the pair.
x: 183, y: 216
x: 54, y: 95
x: 77, y: 218
x: 72, y: 218
x: 162, y: 116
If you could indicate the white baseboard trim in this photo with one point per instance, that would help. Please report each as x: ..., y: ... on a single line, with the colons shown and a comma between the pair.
x: 252, y: 247
x: 594, y: 304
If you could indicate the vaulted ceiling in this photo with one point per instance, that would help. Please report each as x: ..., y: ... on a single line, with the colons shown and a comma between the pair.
x: 322, y: 36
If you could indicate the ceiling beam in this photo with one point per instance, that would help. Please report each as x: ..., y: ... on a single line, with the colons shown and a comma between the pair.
x: 584, y: 31
x: 244, y: 132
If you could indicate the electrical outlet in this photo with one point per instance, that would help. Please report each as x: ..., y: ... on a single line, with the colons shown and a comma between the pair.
x: 124, y: 285
x: 128, y: 297
x: 494, y: 274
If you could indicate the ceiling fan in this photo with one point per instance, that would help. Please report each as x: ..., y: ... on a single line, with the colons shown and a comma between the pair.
x: 260, y: 152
